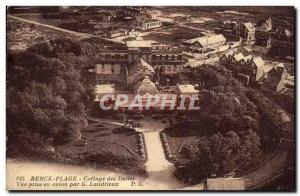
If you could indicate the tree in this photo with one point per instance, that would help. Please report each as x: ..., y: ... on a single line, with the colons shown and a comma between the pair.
x: 45, y: 92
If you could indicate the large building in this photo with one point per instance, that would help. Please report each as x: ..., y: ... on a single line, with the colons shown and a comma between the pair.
x: 264, y: 25
x: 145, y: 90
x: 115, y: 63
x: 248, y: 69
x: 245, y: 30
x: 202, y: 47
x: 148, y: 24
x: 134, y: 69
x: 276, y: 80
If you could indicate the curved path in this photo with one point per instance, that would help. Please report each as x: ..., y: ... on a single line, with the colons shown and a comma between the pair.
x: 273, y: 167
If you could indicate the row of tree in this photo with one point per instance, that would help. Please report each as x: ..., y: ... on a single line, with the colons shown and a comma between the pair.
x: 228, y: 122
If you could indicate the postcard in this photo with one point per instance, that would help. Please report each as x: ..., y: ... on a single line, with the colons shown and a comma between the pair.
x: 150, y: 98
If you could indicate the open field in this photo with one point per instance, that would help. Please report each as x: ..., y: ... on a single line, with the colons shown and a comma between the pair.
x: 173, y: 36
x: 21, y: 35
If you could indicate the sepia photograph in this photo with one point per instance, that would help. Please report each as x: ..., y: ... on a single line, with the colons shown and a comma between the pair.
x: 150, y: 98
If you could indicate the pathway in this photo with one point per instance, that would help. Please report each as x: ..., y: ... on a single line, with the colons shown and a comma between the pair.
x: 77, y: 34
x: 74, y: 33
x: 204, y: 31
x: 158, y: 167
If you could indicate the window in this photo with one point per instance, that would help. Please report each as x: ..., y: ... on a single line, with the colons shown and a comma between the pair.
x: 107, y: 56
x: 112, y: 68
x: 179, y: 57
x: 173, y: 57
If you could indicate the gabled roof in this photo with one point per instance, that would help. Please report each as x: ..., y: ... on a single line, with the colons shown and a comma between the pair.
x: 206, y: 40
x: 141, y: 64
x: 249, y: 26
x: 258, y: 61
x: 279, y: 65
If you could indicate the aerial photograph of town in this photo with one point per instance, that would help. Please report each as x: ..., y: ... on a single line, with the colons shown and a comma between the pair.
x: 174, y: 98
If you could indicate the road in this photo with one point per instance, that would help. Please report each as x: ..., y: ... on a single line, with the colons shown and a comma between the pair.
x: 158, y: 167
x: 78, y: 35
x: 203, y: 31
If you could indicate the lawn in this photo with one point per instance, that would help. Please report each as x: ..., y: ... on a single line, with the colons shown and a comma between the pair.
x: 103, y: 136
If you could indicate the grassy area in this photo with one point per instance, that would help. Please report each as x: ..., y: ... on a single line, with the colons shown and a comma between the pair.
x: 106, y: 145
x: 21, y: 35
x: 172, y: 36
x: 102, y: 137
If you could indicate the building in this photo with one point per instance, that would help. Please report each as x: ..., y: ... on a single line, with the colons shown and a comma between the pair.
x: 202, y: 47
x: 264, y: 25
x: 102, y: 90
x: 144, y: 91
x: 134, y: 69
x: 114, y: 34
x: 106, y: 18
x: 248, y: 69
x: 248, y: 32
x: 130, y: 11
x: 115, y: 62
x: 148, y: 24
x: 245, y: 30
x: 282, y: 49
x: 138, y: 71
x: 263, y: 39
x: 151, y: 15
x: 276, y: 79
x: 278, y: 43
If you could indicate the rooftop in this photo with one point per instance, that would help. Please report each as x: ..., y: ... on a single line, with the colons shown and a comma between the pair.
x: 138, y: 44
x: 102, y: 89
x: 187, y: 88
x: 249, y: 26
x: 238, y: 57
x: 146, y: 87
x: 207, y: 40
x: 258, y: 61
